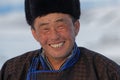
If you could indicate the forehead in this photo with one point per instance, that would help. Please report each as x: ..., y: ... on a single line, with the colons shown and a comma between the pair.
x: 53, y: 17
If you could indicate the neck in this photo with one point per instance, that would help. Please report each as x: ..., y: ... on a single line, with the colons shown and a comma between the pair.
x: 56, y: 63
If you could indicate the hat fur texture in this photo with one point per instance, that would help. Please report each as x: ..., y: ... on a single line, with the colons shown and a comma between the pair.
x: 35, y: 8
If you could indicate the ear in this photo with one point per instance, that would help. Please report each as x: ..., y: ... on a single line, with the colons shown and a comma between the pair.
x: 77, y: 27
x: 34, y: 33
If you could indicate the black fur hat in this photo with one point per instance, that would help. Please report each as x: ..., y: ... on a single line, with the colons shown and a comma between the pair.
x: 35, y: 8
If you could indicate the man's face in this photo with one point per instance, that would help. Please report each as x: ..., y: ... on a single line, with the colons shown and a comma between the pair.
x: 56, y: 34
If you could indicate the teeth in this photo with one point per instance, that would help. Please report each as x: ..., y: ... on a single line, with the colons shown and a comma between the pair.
x: 56, y: 45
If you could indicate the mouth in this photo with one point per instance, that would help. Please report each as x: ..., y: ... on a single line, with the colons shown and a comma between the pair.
x: 57, y: 45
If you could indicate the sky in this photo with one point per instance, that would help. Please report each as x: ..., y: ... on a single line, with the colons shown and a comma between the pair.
x: 100, y: 29
x: 7, y: 6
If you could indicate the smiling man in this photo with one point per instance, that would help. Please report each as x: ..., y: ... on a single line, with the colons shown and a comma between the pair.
x: 55, y: 25
x: 56, y: 34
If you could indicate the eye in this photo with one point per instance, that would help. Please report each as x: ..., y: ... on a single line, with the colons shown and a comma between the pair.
x: 46, y: 29
x: 61, y: 27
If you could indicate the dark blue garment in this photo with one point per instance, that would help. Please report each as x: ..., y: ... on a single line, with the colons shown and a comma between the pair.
x: 73, y: 58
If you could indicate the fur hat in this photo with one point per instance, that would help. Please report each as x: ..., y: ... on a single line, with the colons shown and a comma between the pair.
x: 35, y: 8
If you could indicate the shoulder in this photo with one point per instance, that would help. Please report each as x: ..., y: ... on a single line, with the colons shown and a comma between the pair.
x: 17, y: 64
x: 21, y: 59
x: 95, y: 56
x: 101, y: 64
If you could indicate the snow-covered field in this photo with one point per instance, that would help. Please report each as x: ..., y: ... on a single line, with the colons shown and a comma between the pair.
x: 100, y: 31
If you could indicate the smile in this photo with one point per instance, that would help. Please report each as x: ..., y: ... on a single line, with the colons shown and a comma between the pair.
x: 57, y: 45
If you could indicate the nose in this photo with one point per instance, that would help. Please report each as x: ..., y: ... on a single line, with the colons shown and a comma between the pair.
x: 54, y: 35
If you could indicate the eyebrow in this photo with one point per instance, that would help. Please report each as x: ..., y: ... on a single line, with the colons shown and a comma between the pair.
x: 43, y: 24
x: 58, y: 20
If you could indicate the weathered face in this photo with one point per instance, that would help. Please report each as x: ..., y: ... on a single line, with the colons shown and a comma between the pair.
x: 56, y: 34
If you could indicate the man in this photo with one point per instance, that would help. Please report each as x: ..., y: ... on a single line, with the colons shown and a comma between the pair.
x: 55, y: 25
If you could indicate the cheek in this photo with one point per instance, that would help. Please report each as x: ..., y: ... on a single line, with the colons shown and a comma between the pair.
x: 42, y: 39
x: 70, y: 33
